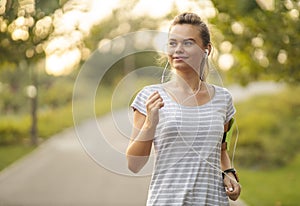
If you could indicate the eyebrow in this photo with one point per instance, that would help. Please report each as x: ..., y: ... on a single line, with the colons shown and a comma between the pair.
x: 191, y: 39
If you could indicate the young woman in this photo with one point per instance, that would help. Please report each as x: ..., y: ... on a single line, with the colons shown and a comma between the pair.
x: 185, y: 119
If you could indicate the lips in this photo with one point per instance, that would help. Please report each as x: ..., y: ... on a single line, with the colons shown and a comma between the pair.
x: 180, y: 57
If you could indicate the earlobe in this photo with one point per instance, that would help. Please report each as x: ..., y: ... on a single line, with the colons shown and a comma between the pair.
x: 209, y: 48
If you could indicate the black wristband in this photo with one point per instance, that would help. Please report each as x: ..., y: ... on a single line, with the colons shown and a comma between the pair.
x: 231, y: 170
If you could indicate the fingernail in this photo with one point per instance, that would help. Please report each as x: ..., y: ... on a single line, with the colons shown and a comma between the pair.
x: 230, y: 189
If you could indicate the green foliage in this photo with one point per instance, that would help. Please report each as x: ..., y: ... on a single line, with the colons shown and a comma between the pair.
x: 273, y: 187
x: 269, y: 128
x: 27, y: 47
x: 54, y: 120
x: 128, y: 64
x: 277, y: 30
x: 13, y: 130
x: 12, y: 88
x: 55, y: 92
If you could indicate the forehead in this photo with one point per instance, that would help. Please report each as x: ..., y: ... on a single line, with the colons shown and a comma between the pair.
x: 185, y: 31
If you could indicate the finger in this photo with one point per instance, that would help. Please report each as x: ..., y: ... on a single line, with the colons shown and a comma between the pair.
x: 235, y: 185
x: 153, y: 99
x: 156, y: 105
x: 153, y: 95
x: 159, y: 104
x: 233, y: 197
x: 237, y: 189
x: 235, y: 193
x: 227, y: 182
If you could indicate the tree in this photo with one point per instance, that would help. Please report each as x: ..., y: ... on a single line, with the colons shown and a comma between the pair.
x: 264, y: 36
x: 24, y: 27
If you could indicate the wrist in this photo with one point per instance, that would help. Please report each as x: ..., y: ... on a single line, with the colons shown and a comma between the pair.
x: 149, y: 125
x: 230, y: 171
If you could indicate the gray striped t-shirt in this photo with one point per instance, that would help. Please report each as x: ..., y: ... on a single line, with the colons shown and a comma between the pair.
x: 187, y: 147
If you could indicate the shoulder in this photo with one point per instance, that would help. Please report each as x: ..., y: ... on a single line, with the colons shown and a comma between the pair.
x: 146, y: 91
x: 222, y: 91
x: 151, y: 88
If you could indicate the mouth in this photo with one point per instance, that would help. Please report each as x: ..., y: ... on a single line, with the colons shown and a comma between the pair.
x: 179, y: 58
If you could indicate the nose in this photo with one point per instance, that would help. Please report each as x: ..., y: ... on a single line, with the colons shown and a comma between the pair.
x: 178, y: 48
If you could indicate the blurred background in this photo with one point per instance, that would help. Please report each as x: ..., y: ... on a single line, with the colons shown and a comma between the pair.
x: 256, y: 44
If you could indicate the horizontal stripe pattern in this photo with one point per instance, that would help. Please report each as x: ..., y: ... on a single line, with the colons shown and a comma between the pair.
x: 187, y: 145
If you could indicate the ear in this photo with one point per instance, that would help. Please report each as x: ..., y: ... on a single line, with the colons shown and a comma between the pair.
x: 209, y: 47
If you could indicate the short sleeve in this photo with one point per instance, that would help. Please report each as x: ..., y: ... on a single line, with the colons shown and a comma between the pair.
x: 230, y: 108
x: 139, y: 102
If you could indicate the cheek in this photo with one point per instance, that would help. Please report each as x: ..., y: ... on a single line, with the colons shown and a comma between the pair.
x: 195, y: 58
x: 196, y: 52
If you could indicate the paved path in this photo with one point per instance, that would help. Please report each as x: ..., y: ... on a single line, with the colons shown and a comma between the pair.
x: 60, y: 173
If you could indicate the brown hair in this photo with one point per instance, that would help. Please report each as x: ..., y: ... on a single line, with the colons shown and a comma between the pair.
x: 193, y: 19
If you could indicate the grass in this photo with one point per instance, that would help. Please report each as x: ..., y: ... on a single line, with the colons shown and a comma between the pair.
x: 11, y: 153
x: 278, y: 187
x: 50, y: 122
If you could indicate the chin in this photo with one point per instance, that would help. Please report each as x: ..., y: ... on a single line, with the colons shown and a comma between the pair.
x: 181, y: 66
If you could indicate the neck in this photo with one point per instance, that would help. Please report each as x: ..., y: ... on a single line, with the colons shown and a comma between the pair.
x: 188, y: 81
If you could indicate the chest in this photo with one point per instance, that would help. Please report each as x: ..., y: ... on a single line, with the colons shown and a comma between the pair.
x: 187, y: 132
x: 190, y: 99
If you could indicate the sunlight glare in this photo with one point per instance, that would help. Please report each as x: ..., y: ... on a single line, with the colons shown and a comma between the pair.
x: 226, y: 61
x: 282, y: 56
x: 71, y: 26
x: 62, y: 64
x: 268, y: 5
x: 157, y: 8
x: 154, y: 8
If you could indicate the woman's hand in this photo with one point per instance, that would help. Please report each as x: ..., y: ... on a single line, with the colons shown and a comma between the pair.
x: 233, y: 188
x: 153, y: 104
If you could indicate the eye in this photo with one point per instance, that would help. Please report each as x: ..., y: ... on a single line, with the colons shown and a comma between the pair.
x: 172, y: 44
x: 188, y: 43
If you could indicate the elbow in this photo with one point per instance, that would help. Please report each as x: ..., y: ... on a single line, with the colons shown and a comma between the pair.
x: 133, y: 168
x: 136, y: 163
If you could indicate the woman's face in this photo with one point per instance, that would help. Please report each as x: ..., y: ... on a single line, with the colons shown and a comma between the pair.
x: 185, y: 47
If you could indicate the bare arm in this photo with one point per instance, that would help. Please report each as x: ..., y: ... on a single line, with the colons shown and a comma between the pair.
x: 225, y: 160
x: 233, y: 188
x: 143, y: 132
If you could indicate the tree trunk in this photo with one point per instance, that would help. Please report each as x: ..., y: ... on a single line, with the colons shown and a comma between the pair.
x: 34, y: 109
x: 33, y: 130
